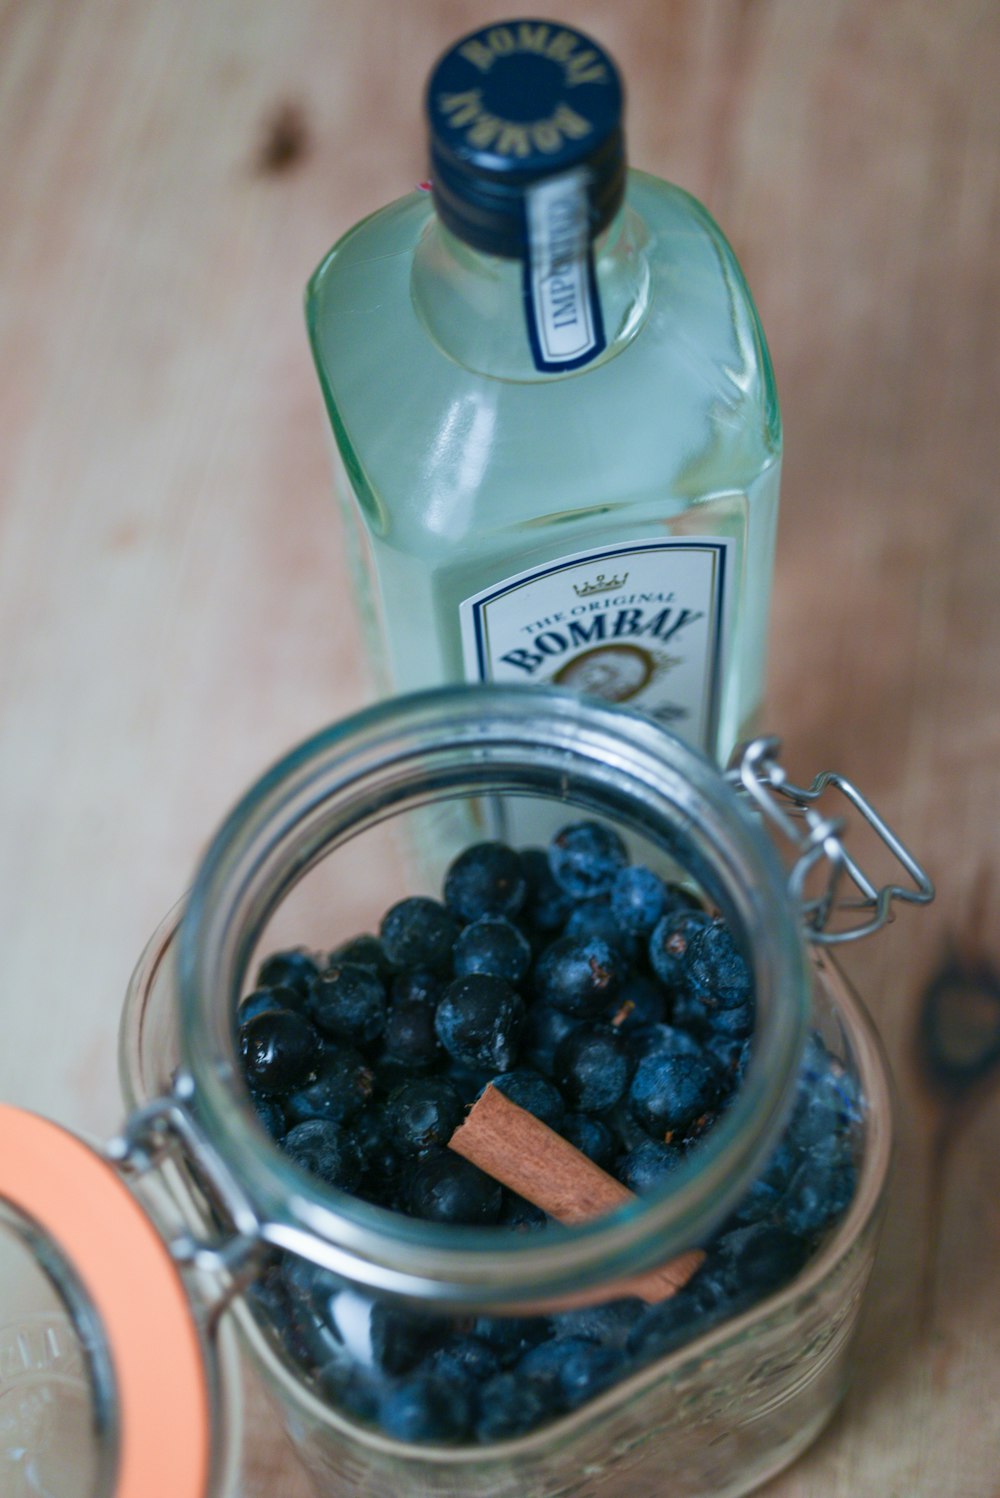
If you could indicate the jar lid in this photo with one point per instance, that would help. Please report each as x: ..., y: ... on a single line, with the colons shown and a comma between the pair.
x: 104, y: 1392
x: 514, y: 104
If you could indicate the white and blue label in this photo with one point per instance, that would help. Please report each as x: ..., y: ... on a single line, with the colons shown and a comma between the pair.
x: 561, y: 302
x: 646, y: 623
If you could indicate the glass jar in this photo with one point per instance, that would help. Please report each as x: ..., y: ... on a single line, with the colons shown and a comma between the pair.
x: 315, y: 852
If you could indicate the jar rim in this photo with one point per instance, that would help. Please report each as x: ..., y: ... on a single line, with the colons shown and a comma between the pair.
x: 486, y: 737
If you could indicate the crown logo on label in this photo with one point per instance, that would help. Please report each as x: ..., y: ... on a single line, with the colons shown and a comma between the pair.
x: 600, y: 584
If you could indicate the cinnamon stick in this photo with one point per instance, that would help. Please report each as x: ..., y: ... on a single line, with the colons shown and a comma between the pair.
x: 517, y: 1149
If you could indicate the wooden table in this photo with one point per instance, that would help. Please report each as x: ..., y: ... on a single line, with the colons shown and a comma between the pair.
x: 172, y: 608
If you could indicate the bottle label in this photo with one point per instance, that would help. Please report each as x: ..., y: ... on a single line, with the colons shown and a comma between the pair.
x: 561, y: 304
x: 644, y: 624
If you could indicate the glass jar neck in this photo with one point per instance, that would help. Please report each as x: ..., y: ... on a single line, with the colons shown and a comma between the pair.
x: 472, y: 742
x: 472, y: 304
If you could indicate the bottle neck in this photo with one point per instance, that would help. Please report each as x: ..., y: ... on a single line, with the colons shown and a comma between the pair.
x: 472, y: 304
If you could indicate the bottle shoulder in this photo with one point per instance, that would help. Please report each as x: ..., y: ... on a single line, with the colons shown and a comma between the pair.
x: 688, y: 391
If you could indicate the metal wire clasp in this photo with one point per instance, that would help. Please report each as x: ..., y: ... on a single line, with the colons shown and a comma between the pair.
x: 755, y: 770
x: 165, y: 1130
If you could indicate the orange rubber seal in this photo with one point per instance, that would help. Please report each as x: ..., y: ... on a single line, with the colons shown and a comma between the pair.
x: 126, y: 1270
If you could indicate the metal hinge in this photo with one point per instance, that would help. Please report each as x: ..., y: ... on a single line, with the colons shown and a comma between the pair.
x: 755, y: 770
x: 165, y: 1129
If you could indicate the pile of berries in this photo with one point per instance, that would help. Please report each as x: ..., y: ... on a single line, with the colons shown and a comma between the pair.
x: 605, y: 1001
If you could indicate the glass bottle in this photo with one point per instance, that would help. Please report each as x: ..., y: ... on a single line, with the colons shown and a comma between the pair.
x: 553, y: 404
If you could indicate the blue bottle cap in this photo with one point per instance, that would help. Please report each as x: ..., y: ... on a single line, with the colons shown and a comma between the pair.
x: 510, y: 105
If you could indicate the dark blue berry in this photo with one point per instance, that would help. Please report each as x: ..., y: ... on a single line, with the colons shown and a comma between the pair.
x: 543, y: 1366
x: 759, y: 1204
x: 348, y: 1003
x: 425, y: 1408
x: 398, y: 1338
x: 478, y: 1021
x: 820, y: 1191
x: 410, y: 1036
x: 324, y: 1151
x: 462, y: 1358
x: 733, y: 1054
x: 492, y: 945
x: 608, y: 1324
x: 592, y: 1068
x: 668, y: 1325
x: 342, y: 1383
x: 295, y: 969
x: 663, y: 1040
x: 579, y: 976
x: 530, y: 1090
x: 390, y: 1072
x: 671, y: 1091
x: 648, y: 1165
x: 423, y: 1114
x: 446, y: 1188
x: 640, y: 1002
x: 544, y: 1028
x: 508, y: 1407
x: 748, y: 1263
x: 366, y: 951
x: 380, y: 1163
x: 520, y: 1215
x: 586, y: 858
x: 511, y: 1336
x: 781, y: 1166
x: 270, y: 1113
x: 716, y: 970
x: 310, y: 1284
x: 280, y: 1051
x: 587, y: 1369
x: 547, y: 906
x: 688, y: 1013
x: 594, y: 918
x: 291, y: 1320
x: 263, y: 999
x: 468, y: 1081
x: 417, y: 985
x: 668, y: 943
x: 591, y: 1137
x: 342, y: 1086
x: 735, y: 1023
x: 487, y: 879
x: 628, y: 1133
x: 418, y: 932
x: 638, y: 899
x: 827, y: 1099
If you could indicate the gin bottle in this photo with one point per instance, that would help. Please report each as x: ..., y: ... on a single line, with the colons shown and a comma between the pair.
x: 553, y: 405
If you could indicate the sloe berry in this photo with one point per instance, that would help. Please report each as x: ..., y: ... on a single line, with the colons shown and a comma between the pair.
x: 530, y: 1090
x: 418, y: 932
x: 592, y: 1068
x: 670, y: 1091
x: 280, y: 1050
x: 638, y: 899
x: 492, y: 945
x: 320, y: 1148
x: 348, y: 1003
x: 585, y: 859
x: 478, y: 1022
x: 422, y: 1114
x: 580, y: 976
x: 487, y: 879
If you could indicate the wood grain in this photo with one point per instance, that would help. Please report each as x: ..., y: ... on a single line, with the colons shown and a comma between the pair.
x: 172, y: 578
